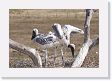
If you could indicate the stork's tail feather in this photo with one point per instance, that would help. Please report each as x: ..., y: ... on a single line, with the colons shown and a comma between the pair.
x: 72, y: 47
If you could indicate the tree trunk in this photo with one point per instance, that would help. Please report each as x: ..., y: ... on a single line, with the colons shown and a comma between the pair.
x: 88, y: 43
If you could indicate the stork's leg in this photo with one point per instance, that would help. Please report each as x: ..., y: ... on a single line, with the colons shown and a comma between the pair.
x: 55, y: 55
x: 46, y: 56
x: 63, y: 63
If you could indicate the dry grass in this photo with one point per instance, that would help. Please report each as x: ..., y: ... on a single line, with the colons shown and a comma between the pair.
x: 23, y: 21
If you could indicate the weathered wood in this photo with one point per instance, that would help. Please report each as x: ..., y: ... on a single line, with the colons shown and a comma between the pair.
x: 31, y: 52
x: 89, y: 13
x: 94, y: 42
x: 88, y: 43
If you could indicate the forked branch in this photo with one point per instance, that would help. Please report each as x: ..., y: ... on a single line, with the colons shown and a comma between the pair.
x: 88, y: 43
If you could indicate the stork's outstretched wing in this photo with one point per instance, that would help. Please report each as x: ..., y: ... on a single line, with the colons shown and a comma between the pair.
x: 68, y: 29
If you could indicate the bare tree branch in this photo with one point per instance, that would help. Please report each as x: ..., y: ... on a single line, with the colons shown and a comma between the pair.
x: 94, y: 42
x: 31, y: 52
x: 88, y: 43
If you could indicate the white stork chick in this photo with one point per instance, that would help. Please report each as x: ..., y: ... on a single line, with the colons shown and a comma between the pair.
x: 64, y: 34
x: 68, y: 30
x: 45, y: 41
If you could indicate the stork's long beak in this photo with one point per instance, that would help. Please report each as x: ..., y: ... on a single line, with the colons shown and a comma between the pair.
x: 72, y: 46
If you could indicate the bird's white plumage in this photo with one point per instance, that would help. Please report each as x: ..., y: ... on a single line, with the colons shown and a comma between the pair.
x: 45, y: 41
x: 60, y: 36
x: 64, y: 34
x: 67, y: 30
x: 58, y: 30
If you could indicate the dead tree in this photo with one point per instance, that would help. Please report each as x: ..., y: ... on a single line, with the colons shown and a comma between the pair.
x: 31, y: 52
x: 88, y: 42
